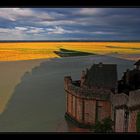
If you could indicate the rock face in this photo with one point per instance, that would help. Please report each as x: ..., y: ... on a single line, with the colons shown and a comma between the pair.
x: 95, y: 97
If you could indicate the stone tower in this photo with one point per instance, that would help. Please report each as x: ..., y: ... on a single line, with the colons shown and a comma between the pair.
x: 89, y: 101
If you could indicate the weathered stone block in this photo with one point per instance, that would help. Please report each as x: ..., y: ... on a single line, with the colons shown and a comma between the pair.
x: 119, y: 122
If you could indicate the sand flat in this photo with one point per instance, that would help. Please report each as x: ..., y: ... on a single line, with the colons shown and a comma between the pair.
x: 10, y: 75
x: 38, y: 102
x: 39, y: 50
x: 18, y: 58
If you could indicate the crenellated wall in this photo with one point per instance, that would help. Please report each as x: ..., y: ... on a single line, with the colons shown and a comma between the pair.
x: 132, y: 121
x: 83, y: 108
x: 119, y: 122
x: 104, y: 108
x: 86, y: 106
x: 134, y: 98
x: 79, y: 117
x: 89, y: 111
x: 126, y: 105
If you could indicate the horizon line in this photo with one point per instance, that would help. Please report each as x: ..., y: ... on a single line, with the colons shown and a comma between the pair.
x: 4, y: 41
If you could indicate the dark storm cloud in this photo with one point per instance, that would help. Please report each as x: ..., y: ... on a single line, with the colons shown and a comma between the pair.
x: 70, y: 23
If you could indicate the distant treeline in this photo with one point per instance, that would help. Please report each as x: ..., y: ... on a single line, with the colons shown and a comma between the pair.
x: 10, y: 41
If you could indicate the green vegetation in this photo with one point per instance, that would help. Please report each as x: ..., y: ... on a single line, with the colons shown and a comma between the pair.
x: 138, y: 122
x: 104, y: 126
x: 70, y: 53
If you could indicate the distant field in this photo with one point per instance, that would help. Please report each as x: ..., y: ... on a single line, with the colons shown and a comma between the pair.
x: 39, y: 50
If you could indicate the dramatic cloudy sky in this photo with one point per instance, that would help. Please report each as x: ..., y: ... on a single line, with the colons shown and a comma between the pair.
x: 69, y: 23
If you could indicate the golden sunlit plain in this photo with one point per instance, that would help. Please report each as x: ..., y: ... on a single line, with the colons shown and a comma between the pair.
x: 39, y: 50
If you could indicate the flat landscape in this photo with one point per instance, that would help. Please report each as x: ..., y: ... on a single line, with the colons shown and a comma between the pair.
x: 39, y: 50
x: 10, y: 74
x: 16, y: 58
x: 37, y: 103
x: 40, y: 46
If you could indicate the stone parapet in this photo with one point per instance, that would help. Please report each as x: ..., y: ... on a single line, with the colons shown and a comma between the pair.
x: 134, y: 98
x: 119, y: 99
x: 99, y: 94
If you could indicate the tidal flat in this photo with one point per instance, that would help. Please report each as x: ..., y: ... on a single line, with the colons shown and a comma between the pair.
x: 32, y: 96
x: 13, y: 51
x: 37, y: 102
x: 10, y: 74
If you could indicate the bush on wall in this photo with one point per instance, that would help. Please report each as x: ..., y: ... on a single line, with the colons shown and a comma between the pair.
x: 104, y: 126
